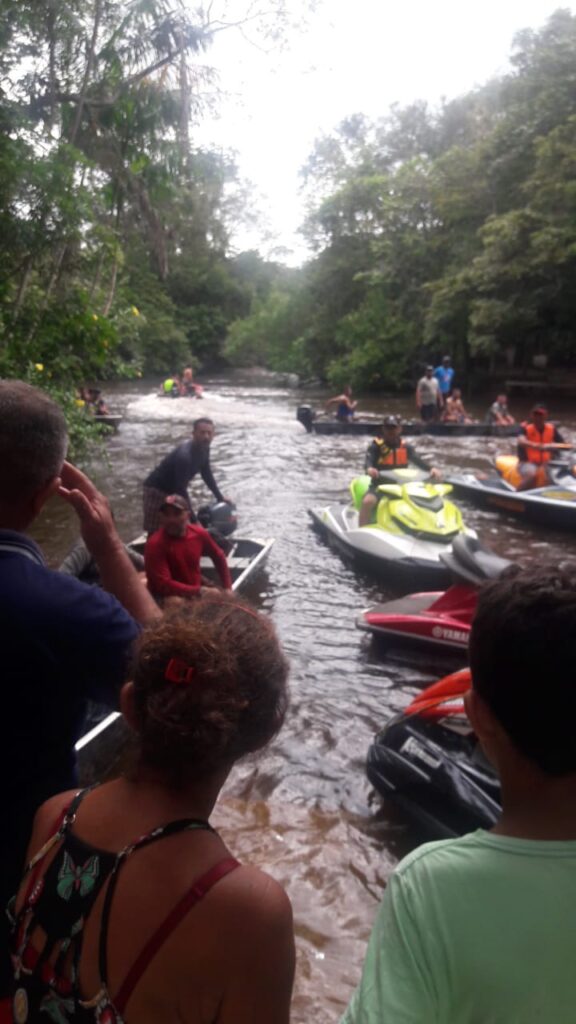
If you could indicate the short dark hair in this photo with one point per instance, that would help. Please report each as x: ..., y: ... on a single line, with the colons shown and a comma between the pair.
x: 234, y: 702
x: 33, y: 440
x: 202, y: 419
x: 523, y: 658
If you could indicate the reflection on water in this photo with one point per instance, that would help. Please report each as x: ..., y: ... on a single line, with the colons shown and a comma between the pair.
x: 304, y: 810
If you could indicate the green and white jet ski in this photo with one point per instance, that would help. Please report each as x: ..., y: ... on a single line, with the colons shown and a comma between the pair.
x: 414, y: 524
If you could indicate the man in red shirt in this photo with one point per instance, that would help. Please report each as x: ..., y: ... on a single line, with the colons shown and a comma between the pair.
x: 172, y: 554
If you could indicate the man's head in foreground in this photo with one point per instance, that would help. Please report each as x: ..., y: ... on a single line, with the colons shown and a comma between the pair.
x: 33, y: 442
x: 523, y: 661
x: 174, y: 515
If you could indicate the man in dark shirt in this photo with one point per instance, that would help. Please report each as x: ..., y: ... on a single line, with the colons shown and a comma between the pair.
x: 177, y: 469
x: 388, y: 452
x: 63, y: 642
x: 173, y: 553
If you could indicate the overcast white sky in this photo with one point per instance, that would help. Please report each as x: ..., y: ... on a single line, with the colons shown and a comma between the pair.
x: 356, y: 56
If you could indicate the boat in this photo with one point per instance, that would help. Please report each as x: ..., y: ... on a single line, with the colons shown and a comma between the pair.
x: 317, y: 423
x: 414, y: 526
x: 428, y: 761
x: 102, y: 749
x: 109, y: 420
x: 552, y: 505
x: 441, y: 619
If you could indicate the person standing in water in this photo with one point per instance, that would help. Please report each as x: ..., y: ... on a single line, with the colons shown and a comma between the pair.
x: 345, y: 406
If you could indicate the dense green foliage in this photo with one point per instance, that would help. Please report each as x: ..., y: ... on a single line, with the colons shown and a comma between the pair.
x: 113, y: 227
x: 438, y: 231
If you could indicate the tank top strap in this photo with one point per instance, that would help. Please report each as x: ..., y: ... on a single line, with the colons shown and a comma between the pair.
x: 58, y: 830
x: 162, y: 832
x: 197, y: 891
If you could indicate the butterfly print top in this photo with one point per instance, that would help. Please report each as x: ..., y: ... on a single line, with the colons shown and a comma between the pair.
x: 58, y: 902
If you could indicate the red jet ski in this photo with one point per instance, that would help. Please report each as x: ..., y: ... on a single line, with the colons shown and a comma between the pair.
x: 441, y: 619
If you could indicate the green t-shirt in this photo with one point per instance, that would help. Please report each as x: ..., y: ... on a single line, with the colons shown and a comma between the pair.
x: 477, y: 930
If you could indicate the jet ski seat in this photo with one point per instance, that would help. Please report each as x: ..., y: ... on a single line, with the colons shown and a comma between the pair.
x: 470, y: 561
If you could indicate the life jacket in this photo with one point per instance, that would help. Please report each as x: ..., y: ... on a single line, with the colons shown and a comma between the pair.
x: 533, y: 434
x: 397, y: 457
x: 168, y: 385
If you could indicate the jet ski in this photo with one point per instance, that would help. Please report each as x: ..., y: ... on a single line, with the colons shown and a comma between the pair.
x: 551, y: 504
x: 414, y: 526
x: 441, y: 619
x: 429, y: 762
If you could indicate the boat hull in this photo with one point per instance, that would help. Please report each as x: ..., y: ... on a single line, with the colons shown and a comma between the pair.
x: 102, y: 750
x: 541, y: 506
x: 411, y: 621
x: 396, y: 560
x: 369, y: 427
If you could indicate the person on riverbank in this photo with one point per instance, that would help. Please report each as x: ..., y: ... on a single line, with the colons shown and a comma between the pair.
x: 536, y: 444
x: 177, y: 469
x: 498, y: 413
x: 454, y: 411
x: 345, y: 405
x: 62, y: 642
x: 172, y: 554
x: 444, y: 374
x: 481, y: 928
x: 388, y: 451
x: 428, y: 397
x: 143, y: 910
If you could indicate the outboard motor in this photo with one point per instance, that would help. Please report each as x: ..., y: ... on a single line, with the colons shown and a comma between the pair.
x: 220, y: 520
x: 306, y: 416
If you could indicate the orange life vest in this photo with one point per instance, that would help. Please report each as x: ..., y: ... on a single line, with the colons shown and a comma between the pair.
x: 533, y: 434
x: 397, y: 457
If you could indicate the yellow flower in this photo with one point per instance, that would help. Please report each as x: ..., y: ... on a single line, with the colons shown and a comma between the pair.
x: 39, y: 367
x: 135, y: 311
x: 94, y: 316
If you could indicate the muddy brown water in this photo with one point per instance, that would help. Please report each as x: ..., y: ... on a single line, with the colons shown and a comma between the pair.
x: 304, y: 810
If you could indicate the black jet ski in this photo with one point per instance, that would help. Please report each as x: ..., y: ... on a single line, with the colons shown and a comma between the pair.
x: 429, y: 762
x: 441, y: 619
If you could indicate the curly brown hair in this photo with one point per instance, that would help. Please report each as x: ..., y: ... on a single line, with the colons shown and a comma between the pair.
x: 234, y: 701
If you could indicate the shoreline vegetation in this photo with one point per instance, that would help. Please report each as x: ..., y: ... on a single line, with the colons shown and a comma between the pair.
x: 433, y: 230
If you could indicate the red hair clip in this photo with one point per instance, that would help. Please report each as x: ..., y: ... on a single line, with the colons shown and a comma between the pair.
x: 177, y: 671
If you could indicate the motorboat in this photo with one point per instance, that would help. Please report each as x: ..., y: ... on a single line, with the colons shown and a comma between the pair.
x: 101, y: 750
x: 318, y: 423
x: 414, y: 525
x: 428, y: 761
x: 441, y: 619
x: 551, y: 504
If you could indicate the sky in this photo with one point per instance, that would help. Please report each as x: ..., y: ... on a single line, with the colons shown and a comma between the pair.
x: 354, y: 56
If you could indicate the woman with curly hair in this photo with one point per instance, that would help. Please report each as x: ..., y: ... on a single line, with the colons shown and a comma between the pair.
x: 132, y: 908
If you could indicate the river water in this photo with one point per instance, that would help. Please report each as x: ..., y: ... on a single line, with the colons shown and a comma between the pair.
x: 304, y: 810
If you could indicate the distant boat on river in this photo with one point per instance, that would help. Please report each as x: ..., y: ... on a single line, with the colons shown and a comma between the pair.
x: 315, y: 423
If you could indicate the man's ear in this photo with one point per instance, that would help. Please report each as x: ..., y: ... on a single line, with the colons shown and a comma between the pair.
x: 127, y: 706
x: 43, y: 495
x: 481, y: 719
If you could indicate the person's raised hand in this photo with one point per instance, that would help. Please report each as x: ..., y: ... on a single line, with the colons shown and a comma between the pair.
x: 372, y: 472
x: 91, y: 507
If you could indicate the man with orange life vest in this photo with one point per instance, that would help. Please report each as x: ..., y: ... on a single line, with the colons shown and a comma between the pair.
x: 388, y: 451
x: 536, y: 444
